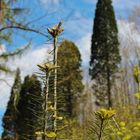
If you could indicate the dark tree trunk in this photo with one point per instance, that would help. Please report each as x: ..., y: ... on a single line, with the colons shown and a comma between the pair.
x: 109, y: 88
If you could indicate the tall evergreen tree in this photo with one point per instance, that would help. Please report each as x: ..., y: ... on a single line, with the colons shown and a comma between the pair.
x: 9, y: 119
x: 29, y: 118
x: 69, y: 77
x: 105, y: 56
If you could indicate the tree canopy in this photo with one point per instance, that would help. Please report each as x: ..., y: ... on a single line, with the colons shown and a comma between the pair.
x: 105, y: 55
x: 69, y: 75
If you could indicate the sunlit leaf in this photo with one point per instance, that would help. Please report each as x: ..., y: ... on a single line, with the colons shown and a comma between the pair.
x: 51, y: 134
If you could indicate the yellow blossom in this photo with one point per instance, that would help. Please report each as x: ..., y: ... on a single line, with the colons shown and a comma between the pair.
x: 120, y: 133
x: 136, y: 71
x: 137, y: 95
x: 51, y: 134
x: 127, y: 137
x: 122, y: 124
x: 105, y: 113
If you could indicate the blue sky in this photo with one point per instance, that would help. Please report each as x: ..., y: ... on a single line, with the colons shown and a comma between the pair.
x: 71, y: 12
x: 77, y: 17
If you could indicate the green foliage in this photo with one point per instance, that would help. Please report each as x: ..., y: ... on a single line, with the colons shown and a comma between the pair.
x: 129, y: 131
x: 104, y: 124
x: 137, y: 95
x: 71, y: 130
x: 69, y: 77
x: 128, y: 124
x: 99, y: 124
x: 136, y: 74
x: 105, y: 114
x: 105, y: 56
x: 51, y: 135
x: 30, y: 119
x: 10, y: 116
x: 114, y: 125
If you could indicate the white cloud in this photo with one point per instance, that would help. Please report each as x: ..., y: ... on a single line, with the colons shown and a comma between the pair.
x: 5, y: 90
x: 2, y: 49
x: 128, y: 31
x: 27, y: 64
x: 129, y: 38
x: 84, y: 45
x: 47, y: 3
x: 79, y: 27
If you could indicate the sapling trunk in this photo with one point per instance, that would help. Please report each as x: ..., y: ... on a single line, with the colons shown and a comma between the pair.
x: 55, y: 84
x: 101, y: 130
x: 55, y: 32
x: 46, y: 105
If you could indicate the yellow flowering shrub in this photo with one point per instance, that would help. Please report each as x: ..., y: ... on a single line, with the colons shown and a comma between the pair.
x: 105, y: 113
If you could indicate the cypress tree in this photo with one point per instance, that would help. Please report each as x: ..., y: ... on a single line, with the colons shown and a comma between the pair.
x: 105, y: 55
x: 69, y: 77
x: 29, y: 118
x: 9, y: 119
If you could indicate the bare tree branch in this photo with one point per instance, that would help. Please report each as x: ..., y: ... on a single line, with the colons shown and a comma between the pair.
x: 23, y: 28
x: 3, y: 80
